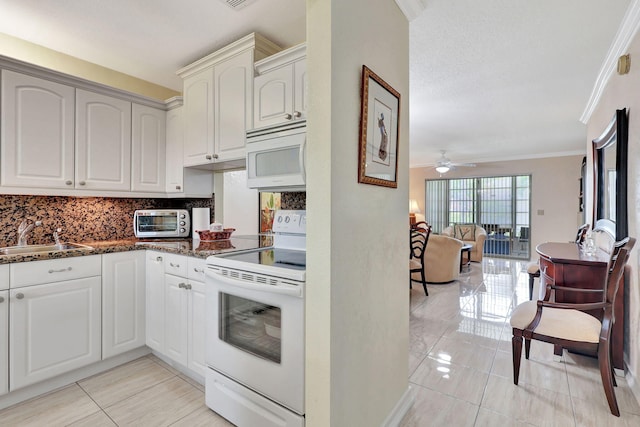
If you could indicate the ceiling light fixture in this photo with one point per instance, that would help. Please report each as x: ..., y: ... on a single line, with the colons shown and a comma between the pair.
x: 442, y: 169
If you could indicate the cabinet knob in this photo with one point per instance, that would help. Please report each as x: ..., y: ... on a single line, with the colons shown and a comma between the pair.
x: 188, y: 287
x: 215, y: 156
x: 159, y: 258
x: 82, y: 183
x: 297, y: 114
x: 198, y: 270
x: 182, y: 285
x: 1, y: 300
x: 19, y: 295
x: 178, y: 187
x: 288, y: 116
x: 208, y: 157
x: 68, y: 182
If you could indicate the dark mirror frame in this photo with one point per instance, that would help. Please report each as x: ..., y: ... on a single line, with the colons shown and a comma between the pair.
x: 616, y: 133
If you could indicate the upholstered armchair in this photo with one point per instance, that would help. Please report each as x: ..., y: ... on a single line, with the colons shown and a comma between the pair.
x: 471, y: 234
x: 441, y: 259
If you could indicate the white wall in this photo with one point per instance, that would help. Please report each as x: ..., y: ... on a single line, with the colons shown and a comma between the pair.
x: 621, y: 92
x: 554, y: 190
x: 236, y: 206
x: 357, y: 318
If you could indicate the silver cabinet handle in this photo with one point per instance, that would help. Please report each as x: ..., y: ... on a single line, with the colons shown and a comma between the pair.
x: 182, y: 285
x: 68, y: 182
x: 158, y: 258
x: 62, y: 270
x: 208, y: 157
x: 174, y: 265
x: 1, y: 300
x: 82, y: 183
x: 297, y: 114
x: 19, y: 295
x: 288, y: 116
x: 187, y: 286
x: 198, y: 270
x: 178, y: 187
x: 215, y: 156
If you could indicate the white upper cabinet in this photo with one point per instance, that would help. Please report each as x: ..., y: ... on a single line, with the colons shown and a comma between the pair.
x: 233, y: 91
x: 37, y: 118
x: 148, y: 154
x: 198, y: 118
x: 280, y: 89
x: 103, y: 142
x: 218, y: 92
x: 175, y: 151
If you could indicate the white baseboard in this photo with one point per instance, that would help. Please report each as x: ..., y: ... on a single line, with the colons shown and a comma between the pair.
x: 63, y: 380
x: 400, y: 409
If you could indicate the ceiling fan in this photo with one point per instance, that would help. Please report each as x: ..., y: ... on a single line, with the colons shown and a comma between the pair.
x: 444, y: 165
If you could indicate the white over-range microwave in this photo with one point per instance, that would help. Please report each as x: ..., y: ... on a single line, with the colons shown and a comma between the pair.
x: 276, y: 157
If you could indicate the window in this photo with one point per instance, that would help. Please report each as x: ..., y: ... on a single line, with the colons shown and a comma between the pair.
x: 500, y: 204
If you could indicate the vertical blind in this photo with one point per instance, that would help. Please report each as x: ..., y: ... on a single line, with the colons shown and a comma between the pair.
x: 500, y: 204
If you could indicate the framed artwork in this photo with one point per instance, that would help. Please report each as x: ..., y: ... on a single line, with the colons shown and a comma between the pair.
x: 379, y: 127
x: 269, y: 203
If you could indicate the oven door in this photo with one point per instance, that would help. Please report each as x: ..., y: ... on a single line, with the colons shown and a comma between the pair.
x: 255, y: 335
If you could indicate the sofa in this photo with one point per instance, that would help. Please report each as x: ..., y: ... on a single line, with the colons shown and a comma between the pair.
x: 471, y: 234
x: 441, y: 259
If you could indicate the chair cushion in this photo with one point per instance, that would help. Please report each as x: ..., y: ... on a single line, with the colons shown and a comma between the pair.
x: 567, y: 324
x: 533, y: 268
x: 414, y: 264
x: 464, y: 232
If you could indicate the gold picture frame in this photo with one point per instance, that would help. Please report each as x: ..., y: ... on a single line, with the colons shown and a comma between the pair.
x: 379, y: 131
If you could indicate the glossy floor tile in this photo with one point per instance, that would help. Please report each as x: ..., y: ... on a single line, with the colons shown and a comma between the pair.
x: 460, y: 362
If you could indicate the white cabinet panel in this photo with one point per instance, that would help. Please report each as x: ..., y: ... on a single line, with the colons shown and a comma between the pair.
x: 233, y: 93
x: 148, y: 127
x: 175, y: 151
x: 54, y: 328
x: 4, y: 342
x: 103, y: 142
x: 154, y: 279
x: 300, y: 89
x: 198, y: 118
x: 123, y: 302
x: 175, y: 321
x: 196, y: 327
x: 273, y: 97
x: 37, y: 122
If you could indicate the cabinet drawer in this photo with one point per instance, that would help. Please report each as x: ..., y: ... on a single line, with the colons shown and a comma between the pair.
x: 54, y: 270
x: 175, y: 264
x: 196, y: 267
x: 4, y: 277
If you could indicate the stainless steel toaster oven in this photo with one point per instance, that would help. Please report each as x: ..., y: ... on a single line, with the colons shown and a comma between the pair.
x: 161, y: 223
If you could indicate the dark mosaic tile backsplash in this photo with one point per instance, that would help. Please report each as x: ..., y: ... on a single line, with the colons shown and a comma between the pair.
x: 293, y: 200
x: 81, y: 219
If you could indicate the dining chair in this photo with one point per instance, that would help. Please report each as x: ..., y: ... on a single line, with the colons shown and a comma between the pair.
x: 533, y: 268
x: 568, y: 326
x: 419, y: 236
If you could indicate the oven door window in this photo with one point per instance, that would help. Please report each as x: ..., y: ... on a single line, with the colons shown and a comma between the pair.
x: 158, y: 223
x: 251, y: 326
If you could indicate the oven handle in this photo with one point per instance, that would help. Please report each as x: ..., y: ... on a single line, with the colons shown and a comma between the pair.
x: 282, y: 289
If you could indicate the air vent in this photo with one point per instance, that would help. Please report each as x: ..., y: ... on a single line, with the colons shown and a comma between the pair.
x: 237, y: 4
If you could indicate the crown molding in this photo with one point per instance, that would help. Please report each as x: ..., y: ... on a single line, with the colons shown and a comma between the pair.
x: 411, y: 8
x: 627, y: 31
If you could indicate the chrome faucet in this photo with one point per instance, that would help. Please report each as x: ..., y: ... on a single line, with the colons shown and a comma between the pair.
x: 23, y: 231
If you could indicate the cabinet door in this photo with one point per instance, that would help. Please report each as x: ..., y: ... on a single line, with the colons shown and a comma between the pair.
x: 300, y: 89
x: 154, y: 284
x: 4, y: 342
x: 123, y: 302
x: 233, y: 94
x: 175, y: 321
x: 198, y: 118
x: 196, y: 327
x: 54, y: 328
x: 103, y: 142
x: 273, y: 97
x: 175, y: 152
x: 148, y: 127
x: 36, y: 132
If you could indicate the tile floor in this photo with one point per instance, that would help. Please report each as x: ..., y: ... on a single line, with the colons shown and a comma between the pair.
x: 460, y: 361
x: 459, y: 367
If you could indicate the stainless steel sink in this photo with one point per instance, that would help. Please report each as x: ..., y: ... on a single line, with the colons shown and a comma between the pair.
x: 33, y: 249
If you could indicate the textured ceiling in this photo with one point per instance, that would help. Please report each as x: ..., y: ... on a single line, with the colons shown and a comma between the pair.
x: 490, y: 80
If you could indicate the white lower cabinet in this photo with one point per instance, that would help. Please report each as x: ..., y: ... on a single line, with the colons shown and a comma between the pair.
x: 123, y: 302
x: 4, y: 339
x: 54, y: 328
x: 184, y: 313
x: 154, y: 283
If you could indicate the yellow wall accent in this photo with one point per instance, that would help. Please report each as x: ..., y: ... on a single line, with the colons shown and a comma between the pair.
x: 44, y: 57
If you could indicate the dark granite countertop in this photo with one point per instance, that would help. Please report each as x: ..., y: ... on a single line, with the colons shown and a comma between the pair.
x: 177, y: 246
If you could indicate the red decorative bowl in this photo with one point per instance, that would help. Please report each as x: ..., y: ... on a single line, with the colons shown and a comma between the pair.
x: 209, y: 236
